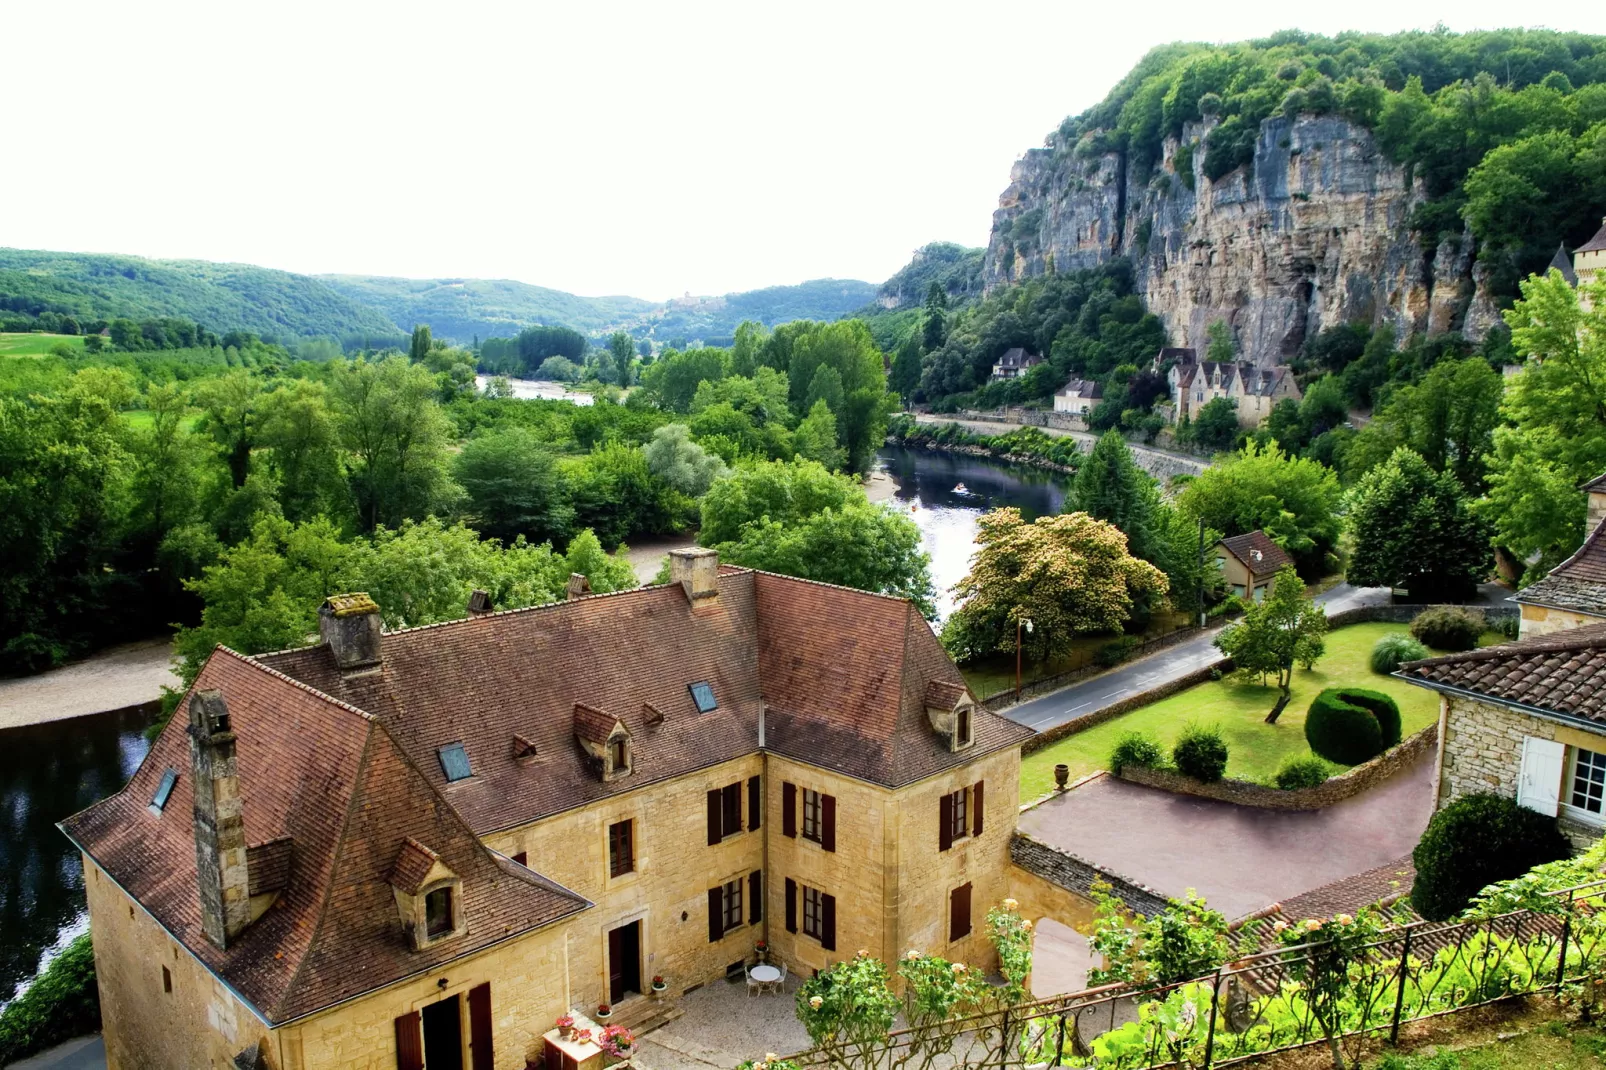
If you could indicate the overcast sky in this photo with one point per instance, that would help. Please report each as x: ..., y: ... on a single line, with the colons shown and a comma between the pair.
x: 601, y: 148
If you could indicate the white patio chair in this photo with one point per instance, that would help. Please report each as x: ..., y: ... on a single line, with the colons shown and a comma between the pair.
x: 780, y: 986
x: 753, y: 985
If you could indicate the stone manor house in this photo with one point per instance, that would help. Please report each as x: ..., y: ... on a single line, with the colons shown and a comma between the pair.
x: 421, y: 847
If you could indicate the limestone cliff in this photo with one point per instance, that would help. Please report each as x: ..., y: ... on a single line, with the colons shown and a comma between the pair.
x: 1314, y: 233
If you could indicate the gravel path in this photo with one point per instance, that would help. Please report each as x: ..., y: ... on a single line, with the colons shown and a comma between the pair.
x: 114, y: 679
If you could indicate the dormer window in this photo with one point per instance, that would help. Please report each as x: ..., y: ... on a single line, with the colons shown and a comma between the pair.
x: 605, y: 739
x: 962, y: 727
x: 952, y: 713
x: 429, y: 895
x: 619, y: 754
x: 438, y: 913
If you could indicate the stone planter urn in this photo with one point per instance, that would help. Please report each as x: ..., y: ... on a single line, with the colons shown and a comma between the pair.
x: 604, y: 1012
x: 1062, y: 776
x: 659, y: 987
x: 761, y: 951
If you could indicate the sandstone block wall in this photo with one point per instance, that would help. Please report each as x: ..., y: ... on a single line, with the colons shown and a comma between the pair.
x: 1543, y: 620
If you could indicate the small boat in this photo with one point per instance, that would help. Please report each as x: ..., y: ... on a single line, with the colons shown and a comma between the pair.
x: 962, y: 490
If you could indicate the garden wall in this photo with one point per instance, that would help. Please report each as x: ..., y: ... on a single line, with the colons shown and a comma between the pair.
x: 1334, y: 790
x: 1077, y: 875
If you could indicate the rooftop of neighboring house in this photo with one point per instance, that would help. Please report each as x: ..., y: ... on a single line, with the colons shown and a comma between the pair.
x: 1595, y: 244
x: 1257, y: 552
x: 1561, y: 675
x: 346, y: 752
x: 1018, y: 358
x: 1091, y: 389
x: 1564, y: 264
x: 1578, y: 583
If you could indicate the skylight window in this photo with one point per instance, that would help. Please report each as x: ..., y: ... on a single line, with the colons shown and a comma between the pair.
x: 163, y: 790
x: 454, y: 762
x: 703, y: 695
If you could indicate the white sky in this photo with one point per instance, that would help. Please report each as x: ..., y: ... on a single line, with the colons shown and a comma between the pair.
x: 600, y: 148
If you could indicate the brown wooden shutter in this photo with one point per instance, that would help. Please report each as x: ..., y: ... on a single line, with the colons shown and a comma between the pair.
x: 755, y: 803
x: 755, y: 896
x: 959, y: 912
x: 828, y: 921
x: 791, y: 905
x: 715, y: 832
x: 789, y: 810
x: 978, y: 795
x: 479, y: 1028
x: 716, y: 915
x: 945, y: 822
x: 410, y: 1042
x: 828, y: 822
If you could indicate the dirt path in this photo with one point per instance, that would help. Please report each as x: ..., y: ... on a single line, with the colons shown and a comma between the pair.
x: 114, y: 679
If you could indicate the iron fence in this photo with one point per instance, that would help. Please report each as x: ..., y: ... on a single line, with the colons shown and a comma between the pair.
x: 1266, y: 1002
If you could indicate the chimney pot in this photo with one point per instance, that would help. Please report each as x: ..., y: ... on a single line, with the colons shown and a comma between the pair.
x: 350, y: 624
x: 479, y: 604
x: 696, y: 569
x: 579, y: 585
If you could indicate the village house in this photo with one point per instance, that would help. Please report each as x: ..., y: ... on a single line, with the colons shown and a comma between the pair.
x: 1526, y: 720
x: 419, y: 848
x: 1253, y: 391
x: 1249, y: 563
x: 1590, y: 258
x: 1014, y: 363
x: 1573, y: 594
x: 1079, y: 396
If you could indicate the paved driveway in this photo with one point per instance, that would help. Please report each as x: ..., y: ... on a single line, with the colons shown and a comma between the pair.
x: 1060, y: 706
x: 1239, y: 858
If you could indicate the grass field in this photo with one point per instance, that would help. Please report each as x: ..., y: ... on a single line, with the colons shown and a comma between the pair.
x: 1554, y: 1046
x: 36, y: 345
x: 1255, y: 749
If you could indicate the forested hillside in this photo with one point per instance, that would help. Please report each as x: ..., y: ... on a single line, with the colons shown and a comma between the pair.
x: 222, y: 297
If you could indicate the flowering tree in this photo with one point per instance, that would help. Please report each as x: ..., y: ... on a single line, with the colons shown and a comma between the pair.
x: 1331, y: 968
x: 1185, y: 940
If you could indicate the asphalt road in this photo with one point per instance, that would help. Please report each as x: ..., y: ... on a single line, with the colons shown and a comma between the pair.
x: 1083, y: 698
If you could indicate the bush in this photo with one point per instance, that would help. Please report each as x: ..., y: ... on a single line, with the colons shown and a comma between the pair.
x: 62, y: 1003
x: 1201, y: 752
x: 1303, y: 771
x: 1448, y: 628
x: 1393, y: 650
x: 1116, y: 651
x: 1350, y: 725
x: 1135, y: 748
x: 1477, y: 840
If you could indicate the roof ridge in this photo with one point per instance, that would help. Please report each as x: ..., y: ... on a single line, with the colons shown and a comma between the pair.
x: 1539, y: 644
x: 1589, y: 541
x: 251, y: 660
x: 834, y: 586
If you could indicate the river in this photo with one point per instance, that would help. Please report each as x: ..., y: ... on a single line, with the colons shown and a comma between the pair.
x: 927, y: 483
x: 538, y: 388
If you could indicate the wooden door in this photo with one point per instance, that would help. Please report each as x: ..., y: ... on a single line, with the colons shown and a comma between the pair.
x: 481, y: 1051
x: 624, y: 961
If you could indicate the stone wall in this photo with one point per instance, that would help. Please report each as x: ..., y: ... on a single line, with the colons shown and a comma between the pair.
x: 1338, y: 788
x: 1077, y: 875
x: 1543, y: 620
x: 1125, y: 705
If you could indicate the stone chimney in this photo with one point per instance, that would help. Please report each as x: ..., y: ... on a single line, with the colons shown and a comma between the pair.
x: 696, y: 569
x: 579, y: 585
x: 220, y: 857
x: 349, y: 623
x: 479, y: 604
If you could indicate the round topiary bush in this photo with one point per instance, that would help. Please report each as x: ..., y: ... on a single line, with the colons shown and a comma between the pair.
x: 1475, y: 841
x: 1303, y: 771
x: 1200, y: 752
x: 1135, y: 748
x: 1393, y: 650
x: 1350, y: 725
x: 1448, y: 628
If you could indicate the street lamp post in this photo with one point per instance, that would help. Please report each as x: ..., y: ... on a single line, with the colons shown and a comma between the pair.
x: 1018, y: 623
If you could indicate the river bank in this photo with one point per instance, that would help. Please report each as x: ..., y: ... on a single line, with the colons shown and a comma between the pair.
x: 118, y: 678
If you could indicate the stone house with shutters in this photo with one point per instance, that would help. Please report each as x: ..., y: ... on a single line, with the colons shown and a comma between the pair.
x: 1573, y: 594
x: 417, y: 849
x: 1526, y: 720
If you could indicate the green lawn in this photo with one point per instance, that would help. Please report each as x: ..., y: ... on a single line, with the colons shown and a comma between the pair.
x: 1554, y: 1046
x: 36, y: 345
x: 1256, y: 749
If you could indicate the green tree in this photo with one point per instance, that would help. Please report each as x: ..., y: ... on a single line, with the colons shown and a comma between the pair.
x: 935, y: 328
x: 615, y: 493
x: 168, y: 464
x: 1448, y: 419
x: 1293, y: 500
x: 513, y: 486
x: 1554, y: 436
x: 303, y: 450
x: 420, y: 345
x: 816, y: 438
x: 623, y: 349
x: 1221, y: 346
x: 230, y: 413
x: 827, y: 387
x: 906, y: 368
x: 1286, y: 627
x: 674, y: 458
x: 1215, y: 426
x: 1414, y: 528
x: 674, y: 377
x: 781, y: 491
x: 1110, y: 486
x: 396, y: 438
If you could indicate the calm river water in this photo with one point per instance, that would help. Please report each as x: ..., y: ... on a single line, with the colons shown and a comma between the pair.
x: 946, y: 493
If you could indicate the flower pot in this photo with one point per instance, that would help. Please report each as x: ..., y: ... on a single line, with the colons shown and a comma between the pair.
x: 1062, y: 776
x: 603, y: 1016
x: 657, y: 991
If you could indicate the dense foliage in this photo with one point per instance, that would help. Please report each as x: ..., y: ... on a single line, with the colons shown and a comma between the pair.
x: 1302, y: 771
x: 1351, y: 725
x: 1285, y: 627
x: 1136, y: 748
x: 1414, y: 528
x: 1394, y: 650
x: 62, y: 1002
x: 1294, y: 500
x: 1200, y: 752
x: 1473, y: 842
x: 1448, y: 628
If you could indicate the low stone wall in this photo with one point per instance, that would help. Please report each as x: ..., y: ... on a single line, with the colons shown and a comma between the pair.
x: 1126, y: 705
x: 1406, y: 612
x: 1335, y: 790
x: 1004, y: 699
x: 1077, y: 875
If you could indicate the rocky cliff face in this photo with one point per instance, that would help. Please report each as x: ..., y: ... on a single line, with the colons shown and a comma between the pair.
x: 1313, y: 234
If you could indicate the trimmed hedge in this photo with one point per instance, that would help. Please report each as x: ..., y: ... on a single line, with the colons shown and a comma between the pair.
x: 1476, y: 840
x: 1303, y: 771
x: 1135, y: 748
x: 1351, y: 725
x: 1391, y: 651
x: 1448, y: 628
x: 63, y: 1002
x: 1201, y: 752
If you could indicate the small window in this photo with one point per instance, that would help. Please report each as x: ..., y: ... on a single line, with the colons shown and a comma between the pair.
x: 522, y: 858
x: 731, y: 808
x: 731, y: 896
x: 438, y: 912
x: 703, y: 695
x: 454, y: 762
x: 1588, y: 784
x: 621, y: 848
x: 812, y: 824
x: 813, y: 916
x: 962, y: 727
x: 163, y: 790
x: 959, y: 814
x: 620, y: 747
x: 167, y: 981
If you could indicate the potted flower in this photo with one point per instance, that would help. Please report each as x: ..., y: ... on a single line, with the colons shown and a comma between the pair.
x: 604, y: 1012
x: 565, y: 1026
x: 762, y: 950
x: 659, y: 986
x: 582, y: 1036
x: 617, y: 1041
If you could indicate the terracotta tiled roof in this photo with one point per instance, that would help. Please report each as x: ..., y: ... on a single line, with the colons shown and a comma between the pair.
x: 1562, y: 673
x: 269, y: 865
x: 412, y: 866
x: 333, y: 782
x: 1259, y: 554
x: 591, y: 724
x: 1595, y: 244
x: 1577, y: 583
x: 941, y: 695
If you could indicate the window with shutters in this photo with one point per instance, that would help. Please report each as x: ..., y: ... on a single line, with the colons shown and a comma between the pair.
x: 813, y: 916
x: 959, y: 815
x: 621, y: 848
x: 731, y: 809
x: 731, y: 895
x: 813, y: 825
x: 1586, y: 784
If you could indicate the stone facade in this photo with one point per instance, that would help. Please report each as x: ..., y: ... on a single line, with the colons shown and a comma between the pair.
x: 1482, y: 752
x: 1543, y: 620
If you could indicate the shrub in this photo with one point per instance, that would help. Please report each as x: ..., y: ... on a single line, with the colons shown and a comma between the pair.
x: 1303, y: 771
x: 1393, y: 650
x: 62, y: 1003
x: 1475, y: 841
x: 1447, y: 628
x: 1116, y: 651
x: 1508, y: 626
x: 1201, y: 752
x: 1135, y: 748
x: 1350, y: 725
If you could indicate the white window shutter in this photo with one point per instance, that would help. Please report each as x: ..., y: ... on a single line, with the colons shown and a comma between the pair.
x: 1540, y: 785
